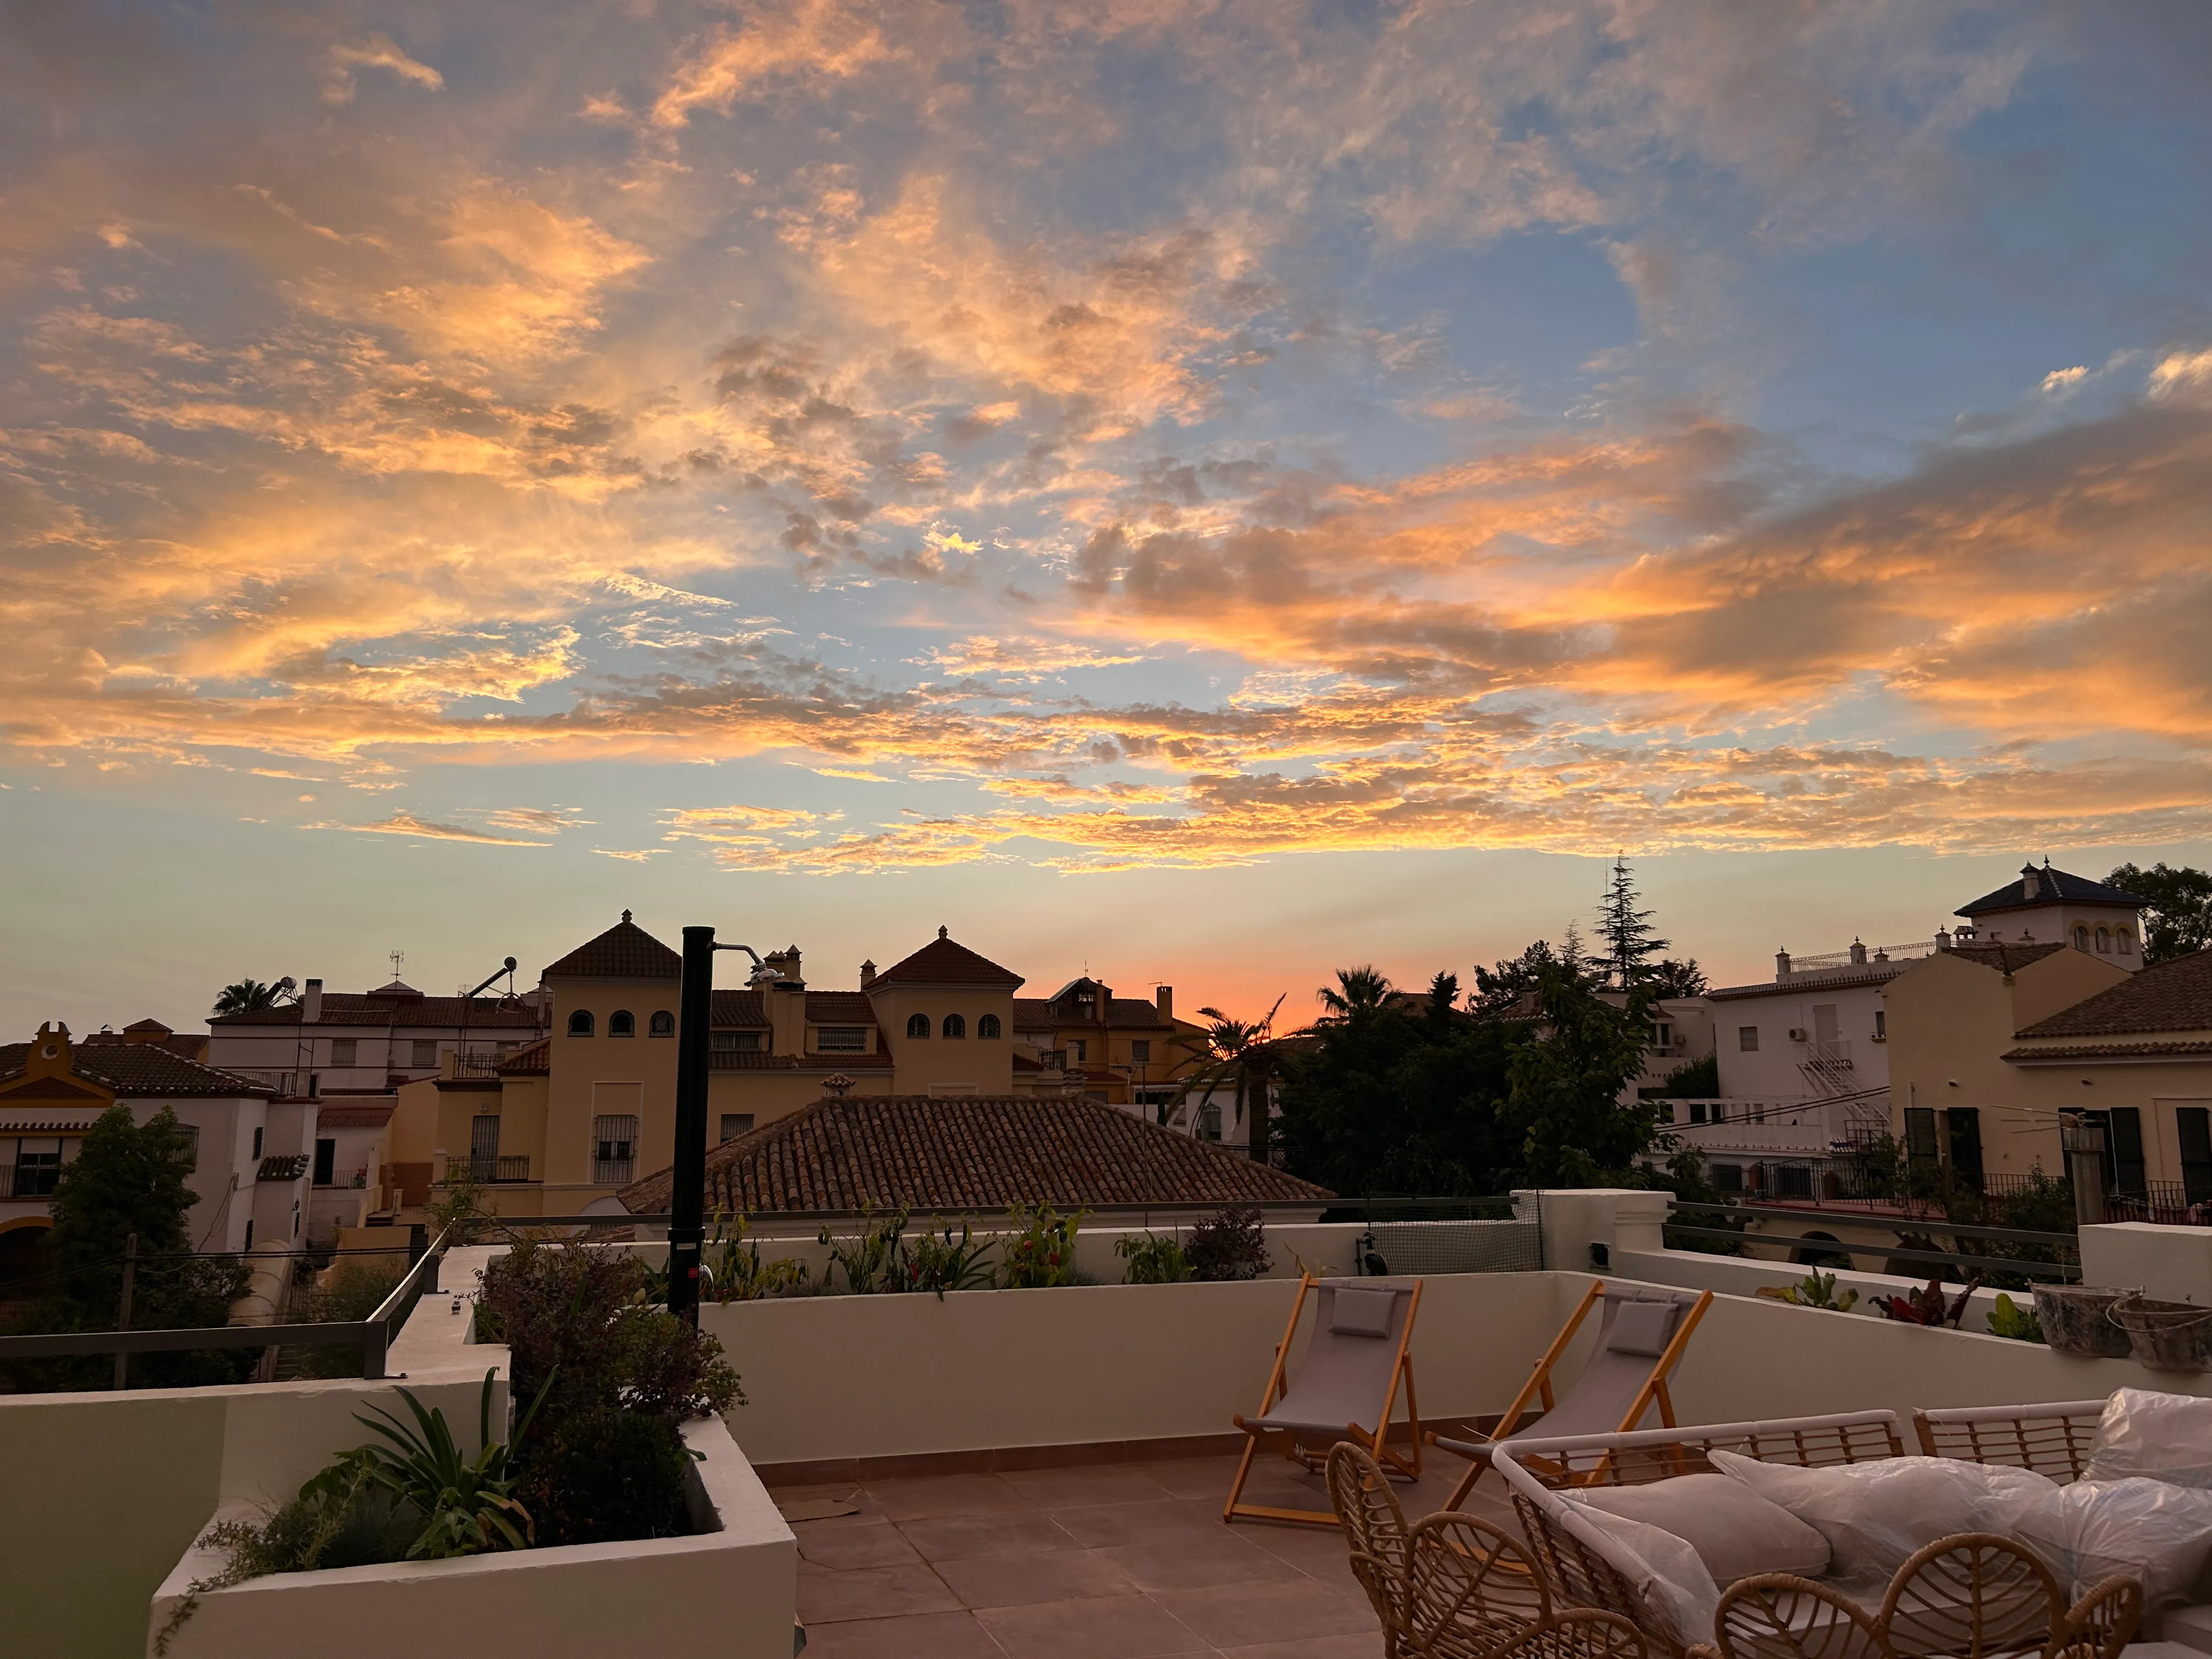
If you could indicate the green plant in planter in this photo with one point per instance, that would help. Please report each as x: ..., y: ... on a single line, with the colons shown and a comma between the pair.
x: 1040, y: 1252
x: 873, y: 1260
x: 940, y: 1263
x: 735, y: 1272
x: 1815, y: 1289
x: 2009, y: 1319
x: 1153, y: 1260
x: 469, y: 1503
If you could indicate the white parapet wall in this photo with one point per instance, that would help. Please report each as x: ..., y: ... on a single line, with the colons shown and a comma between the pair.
x: 728, y: 1590
x: 863, y: 1376
x: 105, y: 1491
x: 2170, y: 1264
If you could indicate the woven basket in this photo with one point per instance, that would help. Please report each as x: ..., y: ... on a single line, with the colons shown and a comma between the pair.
x: 2164, y: 1336
x: 2074, y: 1320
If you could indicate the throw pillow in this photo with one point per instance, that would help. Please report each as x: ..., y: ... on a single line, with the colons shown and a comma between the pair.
x: 1641, y: 1328
x: 2153, y: 1436
x: 1675, y: 1594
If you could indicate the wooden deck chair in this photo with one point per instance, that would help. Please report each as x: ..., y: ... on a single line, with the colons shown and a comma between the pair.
x: 1640, y: 1339
x: 1345, y: 1390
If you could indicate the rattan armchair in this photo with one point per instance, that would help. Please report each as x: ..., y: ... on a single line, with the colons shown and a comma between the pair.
x: 1972, y: 1594
x: 2053, y: 1439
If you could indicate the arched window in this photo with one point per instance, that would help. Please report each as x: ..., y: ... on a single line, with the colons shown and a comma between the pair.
x: 987, y: 1026
x: 622, y: 1022
x: 2081, y: 939
x: 2104, y: 942
x: 955, y: 1026
x: 663, y: 1023
x: 2127, y: 942
x: 918, y: 1026
x: 579, y: 1023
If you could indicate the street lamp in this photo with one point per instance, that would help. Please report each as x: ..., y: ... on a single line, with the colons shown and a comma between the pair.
x: 687, y: 1204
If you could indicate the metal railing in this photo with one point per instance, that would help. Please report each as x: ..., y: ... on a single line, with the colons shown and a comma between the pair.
x: 1804, y: 1250
x: 374, y: 1334
x: 499, y: 1166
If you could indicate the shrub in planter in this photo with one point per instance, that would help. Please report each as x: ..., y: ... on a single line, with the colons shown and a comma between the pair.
x: 1230, y: 1244
x: 1041, y: 1251
x: 1153, y: 1260
x: 607, y: 1476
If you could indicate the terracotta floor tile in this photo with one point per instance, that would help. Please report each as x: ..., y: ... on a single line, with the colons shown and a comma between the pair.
x: 923, y: 1498
x: 1193, y: 1477
x: 1318, y: 1553
x: 1094, y: 1483
x: 965, y: 1538
x: 1229, y: 1614
x: 827, y: 1595
x: 927, y: 1636
x: 1196, y: 1563
x: 1117, y: 1628
x: 863, y: 1544
x: 1107, y: 1526
x: 1019, y: 1581
x: 1313, y: 1647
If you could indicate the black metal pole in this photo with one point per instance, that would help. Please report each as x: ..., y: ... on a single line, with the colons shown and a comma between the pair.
x: 687, y: 1203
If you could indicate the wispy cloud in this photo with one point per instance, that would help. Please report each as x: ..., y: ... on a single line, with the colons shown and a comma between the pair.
x: 406, y: 824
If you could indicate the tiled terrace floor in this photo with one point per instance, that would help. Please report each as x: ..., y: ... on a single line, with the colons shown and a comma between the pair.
x: 1104, y: 1561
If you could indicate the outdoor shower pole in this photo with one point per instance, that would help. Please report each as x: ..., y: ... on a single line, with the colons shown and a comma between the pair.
x: 687, y: 1203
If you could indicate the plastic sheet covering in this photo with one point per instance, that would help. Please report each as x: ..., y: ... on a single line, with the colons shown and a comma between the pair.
x: 2157, y: 1436
x: 1875, y: 1514
x: 2092, y: 1529
x: 1670, y: 1580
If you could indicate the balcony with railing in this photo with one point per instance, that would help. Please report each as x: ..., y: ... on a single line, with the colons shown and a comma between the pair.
x: 500, y: 1167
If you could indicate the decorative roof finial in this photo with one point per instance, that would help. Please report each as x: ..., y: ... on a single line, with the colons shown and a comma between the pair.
x: 625, y: 916
x: 940, y: 932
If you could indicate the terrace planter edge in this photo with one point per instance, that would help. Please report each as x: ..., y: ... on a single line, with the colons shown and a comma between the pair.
x: 729, y: 1589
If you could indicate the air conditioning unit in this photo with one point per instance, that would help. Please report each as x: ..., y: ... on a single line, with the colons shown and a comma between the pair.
x: 1797, y: 1034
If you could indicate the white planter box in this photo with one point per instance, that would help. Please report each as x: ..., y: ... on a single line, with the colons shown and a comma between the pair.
x: 726, y: 1591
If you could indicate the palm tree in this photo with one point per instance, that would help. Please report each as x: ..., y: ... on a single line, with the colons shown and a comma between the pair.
x: 1358, y: 990
x: 1240, y: 1053
x: 248, y: 996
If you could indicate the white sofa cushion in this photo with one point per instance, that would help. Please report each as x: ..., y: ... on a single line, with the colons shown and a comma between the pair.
x: 1671, y: 1586
x: 2158, y: 1532
x: 2152, y: 1436
x: 1875, y: 1515
x: 1734, y: 1531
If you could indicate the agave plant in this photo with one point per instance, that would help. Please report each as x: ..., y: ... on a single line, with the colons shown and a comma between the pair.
x: 468, y: 1504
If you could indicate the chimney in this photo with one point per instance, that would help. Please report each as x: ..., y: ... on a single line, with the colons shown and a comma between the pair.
x: 1781, y: 967
x: 1163, y: 1000
x: 311, y: 1003
x: 1858, y: 954
x: 2031, y: 882
x: 867, y: 975
x: 1942, y: 939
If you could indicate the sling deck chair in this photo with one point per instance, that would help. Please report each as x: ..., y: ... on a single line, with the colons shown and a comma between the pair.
x: 1640, y: 1339
x: 1346, y: 1388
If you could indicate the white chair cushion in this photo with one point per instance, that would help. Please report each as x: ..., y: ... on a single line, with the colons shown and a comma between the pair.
x: 1875, y: 1514
x: 1641, y: 1328
x: 1673, y: 1587
x: 1734, y: 1531
x: 2157, y: 1436
x: 2094, y: 1529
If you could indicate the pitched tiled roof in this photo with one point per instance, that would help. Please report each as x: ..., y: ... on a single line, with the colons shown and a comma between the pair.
x: 1838, y: 979
x: 2174, y: 996
x: 625, y: 951
x: 1036, y: 1013
x: 2052, y: 887
x: 52, y: 1088
x: 2058, y: 1052
x: 361, y: 1115
x: 738, y: 1008
x: 404, y: 1013
x: 753, y: 1059
x: 2006, y: 958
x: 972, y: 1155
x: 532, y: 1059
x: 942, y: 962
x: 839, y: 1008
x: 138, y: 1071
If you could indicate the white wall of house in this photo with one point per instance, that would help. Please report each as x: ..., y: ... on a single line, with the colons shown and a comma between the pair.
x: 1842, y: 1026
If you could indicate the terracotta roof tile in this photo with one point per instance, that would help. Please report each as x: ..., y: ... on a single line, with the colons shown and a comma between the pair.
x: 2060, y: 1052
x: 2174, y: 996
x: 139, y: 1070
x: 752, y: 1059
x: 943, y: 961
x: 532, y: 1059
x: 625, y: 951
x: 973, y: 1155
x: 367, y: 1008
x: 839, y: 1008
x: 363, y: 1114
x: 2006, y: 958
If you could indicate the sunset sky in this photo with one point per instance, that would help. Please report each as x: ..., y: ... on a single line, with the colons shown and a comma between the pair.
x: 1207, y: 492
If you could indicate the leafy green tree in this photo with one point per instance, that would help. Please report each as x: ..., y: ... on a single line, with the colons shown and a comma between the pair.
x: 1498, y: 990
x: 247, y: 996
x: 1563, y: 1096
x: 1673, y: 977
x: 2178, y: 919
x: 1625, y: 931
x: 129, y: 1178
